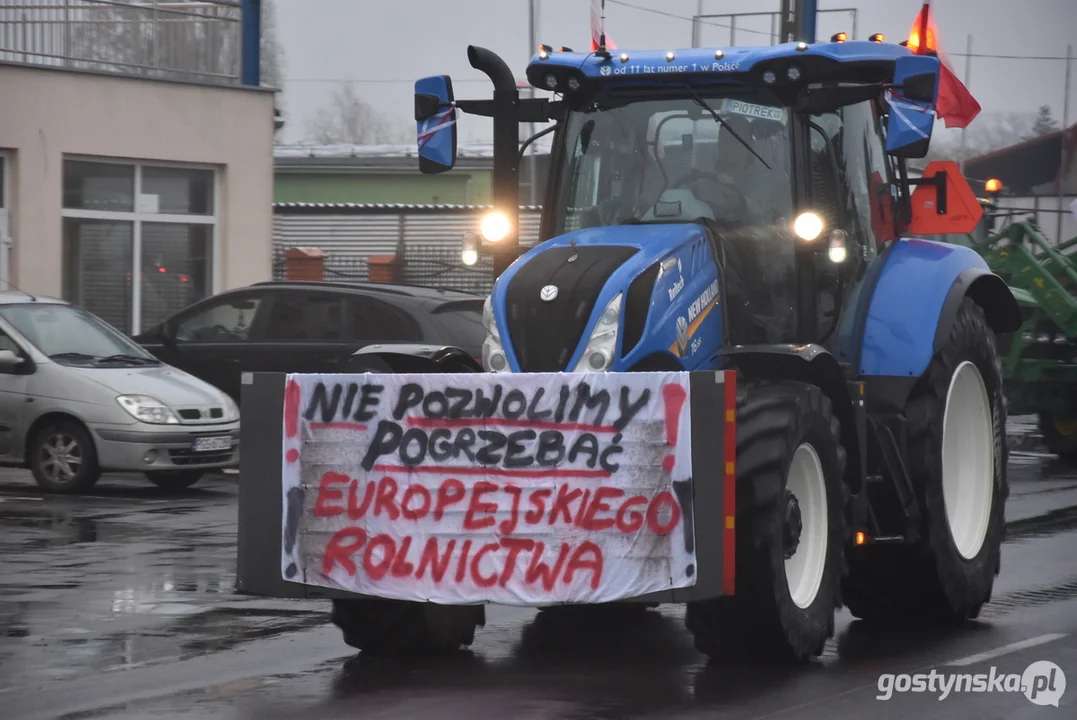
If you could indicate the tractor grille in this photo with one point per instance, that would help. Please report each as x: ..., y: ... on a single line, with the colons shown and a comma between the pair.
x: 544, y: 335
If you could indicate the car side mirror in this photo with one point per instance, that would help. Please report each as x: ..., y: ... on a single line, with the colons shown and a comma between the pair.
x: 8, y: 359
x: 435, y: 124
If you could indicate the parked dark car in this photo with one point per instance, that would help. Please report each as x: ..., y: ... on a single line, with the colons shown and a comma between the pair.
x: 309, y: 327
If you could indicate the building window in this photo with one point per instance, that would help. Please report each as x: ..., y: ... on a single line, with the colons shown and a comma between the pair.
x: 5, y: 222
x: 139, y: 239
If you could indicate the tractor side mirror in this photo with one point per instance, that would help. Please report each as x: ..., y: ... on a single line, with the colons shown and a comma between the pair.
x: 920, y: 87
x: 916, y: 78
x: 912, y: 111
x: 435, y: 120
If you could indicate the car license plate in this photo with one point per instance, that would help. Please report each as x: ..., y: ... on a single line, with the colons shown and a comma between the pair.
x: 208, y: 444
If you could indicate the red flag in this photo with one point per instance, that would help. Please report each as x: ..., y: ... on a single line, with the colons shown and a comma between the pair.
x: 598, y: 27
x: 956, y: 105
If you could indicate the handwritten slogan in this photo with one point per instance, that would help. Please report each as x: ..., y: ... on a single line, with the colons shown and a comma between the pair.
x: 515, y: 489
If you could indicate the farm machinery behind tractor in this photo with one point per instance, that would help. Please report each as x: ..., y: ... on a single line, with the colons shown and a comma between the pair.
x: 737, y: 381
x: 1039, y: 360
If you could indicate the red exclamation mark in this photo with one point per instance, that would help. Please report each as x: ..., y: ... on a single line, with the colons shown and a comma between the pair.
x: 291, y: 416
x: 674, y: 397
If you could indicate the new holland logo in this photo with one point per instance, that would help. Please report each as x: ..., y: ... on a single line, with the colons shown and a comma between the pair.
x: 548, y: 293
x: 606, y: 70
x: 700, y: 303
x: 682, y: 333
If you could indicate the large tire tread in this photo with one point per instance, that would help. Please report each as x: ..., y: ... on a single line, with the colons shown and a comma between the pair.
x: 931, y: 582
x: 760, y: 621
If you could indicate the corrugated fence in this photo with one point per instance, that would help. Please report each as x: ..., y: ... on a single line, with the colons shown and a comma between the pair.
x: 425, y: 238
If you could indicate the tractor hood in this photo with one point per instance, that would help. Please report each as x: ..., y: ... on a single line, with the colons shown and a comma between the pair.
x: 549, y: 302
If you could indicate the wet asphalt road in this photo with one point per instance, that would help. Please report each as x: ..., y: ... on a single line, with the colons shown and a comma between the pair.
x: 121, y: 605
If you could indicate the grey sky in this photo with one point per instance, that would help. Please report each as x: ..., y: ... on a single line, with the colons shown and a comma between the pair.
x: 396, y: 41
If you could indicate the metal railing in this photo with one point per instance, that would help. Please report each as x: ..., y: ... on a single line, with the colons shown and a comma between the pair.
x: 171, y: 39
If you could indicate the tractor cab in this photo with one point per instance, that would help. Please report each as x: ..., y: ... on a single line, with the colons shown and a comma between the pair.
x: 782, y: 167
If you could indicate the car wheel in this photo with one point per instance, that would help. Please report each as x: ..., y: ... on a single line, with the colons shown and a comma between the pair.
x: 63, y: 458
x: 174, y: 479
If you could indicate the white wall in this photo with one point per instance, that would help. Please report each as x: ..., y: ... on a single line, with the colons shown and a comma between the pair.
x: 46, y: 114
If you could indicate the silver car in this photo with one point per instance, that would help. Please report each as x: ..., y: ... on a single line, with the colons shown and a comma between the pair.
x: 77, y: 397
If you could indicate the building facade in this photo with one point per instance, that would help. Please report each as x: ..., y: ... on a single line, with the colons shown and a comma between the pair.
x: 132, y: 188
x: 1039, y: 179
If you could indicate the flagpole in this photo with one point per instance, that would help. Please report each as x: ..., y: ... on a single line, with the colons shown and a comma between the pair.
x: 602, y: 29
x: 968, y: 74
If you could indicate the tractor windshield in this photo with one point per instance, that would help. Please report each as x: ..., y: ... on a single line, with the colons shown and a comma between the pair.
x: 670, y: 160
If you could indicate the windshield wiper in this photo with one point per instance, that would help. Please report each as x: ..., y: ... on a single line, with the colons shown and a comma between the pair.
x: 129, y: 358
x: 722, y: 121
x: 71, y: 356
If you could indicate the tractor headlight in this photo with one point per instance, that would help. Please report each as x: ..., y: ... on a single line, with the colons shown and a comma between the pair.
x: 493, y: 354
x: 495, y: 226
x: 598, y: 354
x: 808, y: 226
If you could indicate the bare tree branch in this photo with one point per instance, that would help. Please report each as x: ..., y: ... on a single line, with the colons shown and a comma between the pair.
x: 272, y: 52
x: 347, y: 119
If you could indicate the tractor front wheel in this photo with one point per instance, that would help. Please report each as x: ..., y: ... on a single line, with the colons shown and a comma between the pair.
x: 957, y: 459
x: 790, y: 529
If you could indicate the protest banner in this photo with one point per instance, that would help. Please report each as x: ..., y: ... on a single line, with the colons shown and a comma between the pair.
x: 523, y: 489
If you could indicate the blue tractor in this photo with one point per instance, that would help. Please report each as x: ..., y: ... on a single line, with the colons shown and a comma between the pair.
x: 745, y: 209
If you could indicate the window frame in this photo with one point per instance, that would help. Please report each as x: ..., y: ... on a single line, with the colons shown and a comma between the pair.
x: 7, y: 160
x: 138, y: 218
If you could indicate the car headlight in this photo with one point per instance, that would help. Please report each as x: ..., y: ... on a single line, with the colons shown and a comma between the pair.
x: 493, y: 354
x: 148, y: 409
x: 231, y: 410
x: 598, y: 355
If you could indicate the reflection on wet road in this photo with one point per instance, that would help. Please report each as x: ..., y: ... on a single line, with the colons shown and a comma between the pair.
x: 121, y: 605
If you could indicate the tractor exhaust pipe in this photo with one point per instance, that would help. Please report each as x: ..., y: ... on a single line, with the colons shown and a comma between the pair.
x: 506, y: 179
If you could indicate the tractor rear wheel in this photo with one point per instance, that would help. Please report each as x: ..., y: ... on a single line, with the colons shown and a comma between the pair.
x: 396, y: 627
x: 957, y: 460
x: 790, y: 529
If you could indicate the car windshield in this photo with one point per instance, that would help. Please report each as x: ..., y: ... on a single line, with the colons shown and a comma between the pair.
x: 71, y: 335
x: 672, y: 160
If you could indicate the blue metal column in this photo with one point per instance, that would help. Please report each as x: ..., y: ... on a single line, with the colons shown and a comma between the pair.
x: 251, y: 34
x: 808, y: 9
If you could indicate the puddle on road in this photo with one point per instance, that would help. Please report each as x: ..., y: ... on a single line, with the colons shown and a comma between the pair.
x: 77, y: 652
x: 1059, y: 521
x: 1022, y: 599
x: 39, y: 528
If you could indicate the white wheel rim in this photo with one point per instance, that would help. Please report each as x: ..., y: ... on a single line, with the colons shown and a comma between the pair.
x: 968, y: 459
x: 807, y: 483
